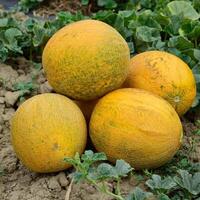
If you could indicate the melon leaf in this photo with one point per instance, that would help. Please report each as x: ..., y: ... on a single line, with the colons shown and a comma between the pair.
x: 139, y: 194
x: 159, y: 184
x: 122, y: 168
x: 107, y: 3
x: 147, y: 34
x: 180, y: 42
x: 183, y: 7
x: 188, y: 182
x: 84, y: 2
x: 105, y: 171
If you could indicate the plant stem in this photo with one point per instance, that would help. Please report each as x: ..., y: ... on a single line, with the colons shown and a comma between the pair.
x: 114, y: 195
x: 165, y: 36
x: 104, y: 189
x: 195, y: 43
x: 31, y: 53
x: 118, y: 187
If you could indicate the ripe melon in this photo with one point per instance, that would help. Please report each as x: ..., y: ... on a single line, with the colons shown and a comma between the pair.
x: 86, y: 59
x: 137, y: 126
x: 165, y: 75
x: 47, y: 128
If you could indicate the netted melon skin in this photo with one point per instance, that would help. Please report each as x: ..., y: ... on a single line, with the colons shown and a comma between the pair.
x: 136, y: 126
x: 86, y: 59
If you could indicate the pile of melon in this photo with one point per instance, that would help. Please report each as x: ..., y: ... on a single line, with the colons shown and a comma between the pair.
x: 129, y: 108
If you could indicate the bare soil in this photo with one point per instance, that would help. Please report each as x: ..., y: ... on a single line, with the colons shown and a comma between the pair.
x: 50, y: 8
x: 18, y: 183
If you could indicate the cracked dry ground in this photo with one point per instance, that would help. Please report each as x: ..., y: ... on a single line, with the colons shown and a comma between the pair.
x: 18, y: 183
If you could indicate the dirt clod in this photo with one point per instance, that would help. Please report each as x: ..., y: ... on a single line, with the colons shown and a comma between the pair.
x: 7, y: 76
x: 8, y: 159
x: 8, y: 113
x: 15, y: 195
x: 45, y: 88
x: 53, y: 184
x: 2, y: 100
x: 12, y: 97
x: 62, y: 179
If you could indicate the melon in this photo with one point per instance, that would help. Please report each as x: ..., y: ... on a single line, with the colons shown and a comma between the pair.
x: 86, y: 59
x: 136, y: 126
x: 45, y: 129
x: 165, y: 75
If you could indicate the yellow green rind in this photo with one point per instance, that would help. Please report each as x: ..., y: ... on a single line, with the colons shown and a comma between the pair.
x: 86, y: 59
x: 166, y: 75
x: 137, y: 126
x: 45, y: 129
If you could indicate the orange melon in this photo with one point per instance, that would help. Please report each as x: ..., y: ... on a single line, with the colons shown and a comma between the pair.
x: 86, y: 59
x: 165, y: 75
x: 137, y: 126
x: 45, y: 129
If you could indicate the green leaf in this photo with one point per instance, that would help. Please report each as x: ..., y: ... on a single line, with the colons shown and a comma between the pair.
x: 196, y: 100
x: 109, y: 4
x: 147, y: 34
x: 197, y: 77
x: 11, y: 33
x: 163, y: 197
x: 197, y: 54
x: 70, y: 161
x: 183, y: 7
x: 106, y: 16
x: 197, y: 132
x: 39, y: 34
x: 139, y: 194
x: 127, y: 14
x: 190, y: 28
x: 93, y: 157
x: 122, y: 168
x: 77, y: 157
x: 3, y: 52
x: 158, y: 45
x: 131, y: 47
x: 84, y: 2
x: 119, y: 23
x: 105, y: 171
x: 26, y: 5
x: 3, y: 22
x: 195, y: 33
x: 174, y: 25
x: 188, y: 182
x: 148, y: 4
x: 146, y: 18
x: 196, y: 72
x: 25, y: 86
x: 196, y: 4
x: 78, y: 176
x: 162, y: 19
x: 180, y: 42
x: 156, y: 183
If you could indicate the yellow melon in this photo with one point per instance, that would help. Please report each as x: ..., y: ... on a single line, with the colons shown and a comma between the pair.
x: 165, y: 75
x: 137, y: 126
x: 86, y: 59
x: 45, y: 129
